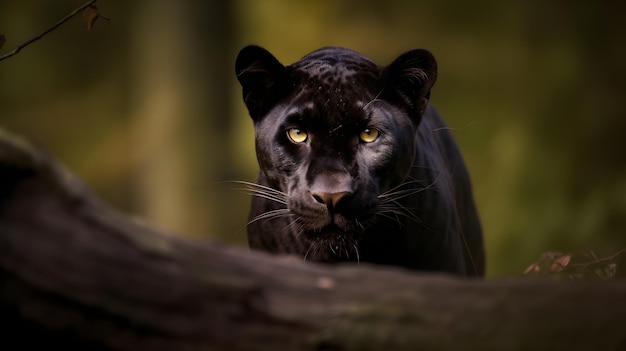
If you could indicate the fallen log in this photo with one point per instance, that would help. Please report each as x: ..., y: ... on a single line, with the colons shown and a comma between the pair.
x: 76, y: 274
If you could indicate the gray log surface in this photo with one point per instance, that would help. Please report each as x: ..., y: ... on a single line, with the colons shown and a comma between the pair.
x: 76, y: 274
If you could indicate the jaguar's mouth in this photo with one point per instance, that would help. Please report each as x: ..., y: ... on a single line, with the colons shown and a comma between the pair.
x: 329, y: 231
x: 336, y: 228
x: 321, y: 224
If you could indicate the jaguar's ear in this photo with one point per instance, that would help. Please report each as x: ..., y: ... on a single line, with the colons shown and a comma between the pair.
x: 262, y: 78
x: 408, y: 80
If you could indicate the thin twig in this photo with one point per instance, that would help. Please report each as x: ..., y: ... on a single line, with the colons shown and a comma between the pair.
x: 595, y: 262
x: 65, y: 19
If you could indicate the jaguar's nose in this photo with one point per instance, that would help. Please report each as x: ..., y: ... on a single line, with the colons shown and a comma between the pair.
x: 331, y: 200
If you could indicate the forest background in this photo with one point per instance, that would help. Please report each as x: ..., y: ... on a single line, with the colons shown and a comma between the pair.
x: 146, y: 109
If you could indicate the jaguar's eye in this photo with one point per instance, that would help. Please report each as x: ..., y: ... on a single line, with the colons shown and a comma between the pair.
x: 369, y: 135
x: 297, y: 135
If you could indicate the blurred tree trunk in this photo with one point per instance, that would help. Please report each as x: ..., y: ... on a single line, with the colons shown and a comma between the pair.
x: 76, y: 275
x: 179, y: 58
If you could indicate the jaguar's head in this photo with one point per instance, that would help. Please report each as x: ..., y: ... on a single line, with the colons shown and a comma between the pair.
x: 335, y: 132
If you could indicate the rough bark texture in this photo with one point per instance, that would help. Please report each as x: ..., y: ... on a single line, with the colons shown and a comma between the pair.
x: 74, y: 274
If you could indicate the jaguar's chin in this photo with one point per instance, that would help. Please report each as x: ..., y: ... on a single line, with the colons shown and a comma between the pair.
x: 332, y: 244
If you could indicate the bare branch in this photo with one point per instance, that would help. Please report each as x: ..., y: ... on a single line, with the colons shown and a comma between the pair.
x: 595, y: 262
x: 32, y: 40
x: 575, y: 266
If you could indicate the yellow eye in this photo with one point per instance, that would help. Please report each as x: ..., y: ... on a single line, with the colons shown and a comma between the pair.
x: 297, y: 135
x: 369, y: 135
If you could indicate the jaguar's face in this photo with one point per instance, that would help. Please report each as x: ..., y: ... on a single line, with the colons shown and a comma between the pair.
x: 333, y: 150
x: 332, y: 136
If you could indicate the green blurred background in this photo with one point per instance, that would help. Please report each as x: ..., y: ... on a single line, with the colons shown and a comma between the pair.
x: 147, y: 111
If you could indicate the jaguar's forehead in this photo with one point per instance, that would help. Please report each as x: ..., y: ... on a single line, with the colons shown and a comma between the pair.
x: 335, y: 65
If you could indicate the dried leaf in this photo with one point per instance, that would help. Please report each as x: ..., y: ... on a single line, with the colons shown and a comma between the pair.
x: 532, y: 268
x: 90, y: 15
x: 611, y: 270
x: 560, y: 263
x: 607, y: 272
x: 2, y: 40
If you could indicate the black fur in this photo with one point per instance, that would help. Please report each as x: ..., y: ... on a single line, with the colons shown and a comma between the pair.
x: 402, y: 199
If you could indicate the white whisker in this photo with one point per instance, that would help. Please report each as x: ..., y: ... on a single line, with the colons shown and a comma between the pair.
x: 391, y: 207
x: 400, y: 211
x: 395, y: 194
x: 267, y: 193
x: 356, y: 251
x: 282, y: 212
x: 306, y: 254
x: 262, y: 191
x: 376, y: 98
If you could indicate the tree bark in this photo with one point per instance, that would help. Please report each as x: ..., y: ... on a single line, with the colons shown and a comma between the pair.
x: 75, y: 274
